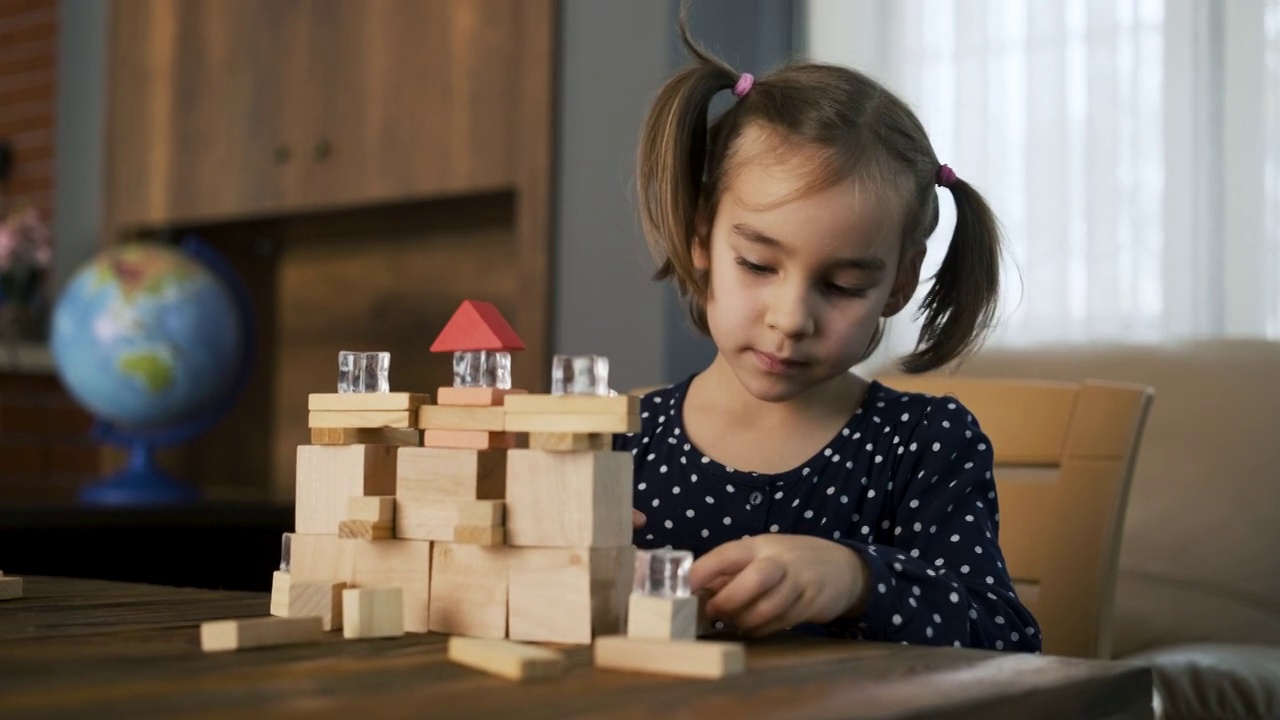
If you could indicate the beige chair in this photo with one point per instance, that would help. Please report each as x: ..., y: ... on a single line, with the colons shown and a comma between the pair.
x: 1064, y: 456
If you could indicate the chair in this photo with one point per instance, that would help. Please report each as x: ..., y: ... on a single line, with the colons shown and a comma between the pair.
x: 1064, y: 456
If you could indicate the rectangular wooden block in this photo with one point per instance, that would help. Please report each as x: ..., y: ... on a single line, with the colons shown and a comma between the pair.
x: 506, y: 659
x: 572, y: 423
x: 662, y: 618
x: 247, y: 633
x: 372, y: 613
x: 460, y: 417
x: 570, y: 442
x: 479, y: 535
x: 467, y: 439
x: 328, y: 476
x: 568, y: 595
x: 705, y: 659
x: 361, y: 563
x: 367, y: 401
x: 469, y: 590
x: 373, y: 508
x: 429, y: 473
x: 10, y: 588
x: 437, y: 520
x: 280, y: 582
x: 577, y: 404
x: 366, y: 436
x: 473, y: 397
x: 317, y: 599
x: 365, y: 530
x: 569, y: 499
x: 362, y: 418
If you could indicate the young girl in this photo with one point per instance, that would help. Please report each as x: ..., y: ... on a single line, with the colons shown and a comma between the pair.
x: 812, y: 498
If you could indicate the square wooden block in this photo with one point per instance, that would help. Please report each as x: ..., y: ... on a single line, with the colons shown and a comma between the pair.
x: 428, y: 473
x: 469, y: 590
x: 557, y: 499
x: 372, y: 613
x: 317, y: 599
x: 328, y: 476
x: 569, y: 595
x: 662, y: 618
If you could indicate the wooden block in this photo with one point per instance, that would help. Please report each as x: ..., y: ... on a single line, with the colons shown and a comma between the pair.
x: 544, y: 403
x: 280, y: 582
x: 247, y: 633
x: 361, y: 563
x: 572, y: 423
x: 570, y: 442
x: 451, y: 474
x: 362, y: 418
x: 569, y: 499
x: 459, y: 417
x: 506, y: 659
x: 568, y: 595
x: 705, y: 659
x: 367, y: 401
x: 437, y: 520
x: 328, y: 476
x: 366, y: 436
x: 469, y: 590
x: 372, y: 613
x: 365, y: 530
x: 473, y: 396
x: 10, y: 588
x: 372, y: 508
x: 662, y: 618
x: 467, y: 439
x: 320, y: 557
x: 479, y: 535
x: 317, y: 599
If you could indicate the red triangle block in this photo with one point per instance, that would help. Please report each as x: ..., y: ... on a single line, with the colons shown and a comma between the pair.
x: 477, y: 325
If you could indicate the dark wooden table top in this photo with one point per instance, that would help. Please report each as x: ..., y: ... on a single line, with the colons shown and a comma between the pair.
x: 92, y: 648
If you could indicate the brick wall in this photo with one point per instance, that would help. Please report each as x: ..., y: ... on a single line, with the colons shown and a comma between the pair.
x: 28, y: 59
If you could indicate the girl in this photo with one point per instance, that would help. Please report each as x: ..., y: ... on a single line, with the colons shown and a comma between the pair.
x: 793, y: 226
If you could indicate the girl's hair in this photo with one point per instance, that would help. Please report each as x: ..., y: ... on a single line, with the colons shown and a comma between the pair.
x: 859, y: 130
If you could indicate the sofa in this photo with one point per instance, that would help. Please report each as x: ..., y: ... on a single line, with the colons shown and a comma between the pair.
x: 1198, y: 592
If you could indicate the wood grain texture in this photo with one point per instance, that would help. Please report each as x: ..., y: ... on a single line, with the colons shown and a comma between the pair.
x: 72, y: 648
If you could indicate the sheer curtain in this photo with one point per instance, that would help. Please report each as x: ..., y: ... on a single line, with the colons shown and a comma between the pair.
x: 1130, y: 148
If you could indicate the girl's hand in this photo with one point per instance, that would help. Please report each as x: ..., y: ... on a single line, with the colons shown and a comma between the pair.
x: 637, y: 519
x: 767, y: 583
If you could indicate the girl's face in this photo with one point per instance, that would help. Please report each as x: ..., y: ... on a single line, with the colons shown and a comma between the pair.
x: 798, y: 282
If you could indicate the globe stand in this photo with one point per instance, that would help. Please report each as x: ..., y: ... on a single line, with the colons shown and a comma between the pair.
x: 140, y: 482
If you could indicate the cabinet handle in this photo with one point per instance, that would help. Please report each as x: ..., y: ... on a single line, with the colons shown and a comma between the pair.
x: 322, y: 150
x: 282, y: 154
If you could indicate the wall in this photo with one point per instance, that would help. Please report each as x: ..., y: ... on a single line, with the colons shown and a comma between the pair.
x: 28, y: 57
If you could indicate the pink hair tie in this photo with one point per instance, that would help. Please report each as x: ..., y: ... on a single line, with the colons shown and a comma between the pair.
x: 745, y: 81
x: 946, y: 176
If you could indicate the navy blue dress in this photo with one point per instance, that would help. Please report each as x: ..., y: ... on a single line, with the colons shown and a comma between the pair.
x: 906, y: 484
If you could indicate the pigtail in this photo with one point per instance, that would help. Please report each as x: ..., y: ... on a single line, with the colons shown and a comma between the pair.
x: 960, y: 307
x: 672, y: 159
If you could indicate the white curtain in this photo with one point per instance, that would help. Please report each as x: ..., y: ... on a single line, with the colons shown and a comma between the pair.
x: 1130, y: 148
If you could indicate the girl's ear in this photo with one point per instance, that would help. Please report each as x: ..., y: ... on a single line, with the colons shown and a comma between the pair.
x: 700, y: 245
x: 904, y: 283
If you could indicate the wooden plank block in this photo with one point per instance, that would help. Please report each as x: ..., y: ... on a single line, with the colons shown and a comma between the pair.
x: 365, y: 530
x: 328, y: 476
x: 479, y: 535
x: 473, y: 397
x: 10, y: 588
x: 469, y: 590
x: 427, y: 473
x: 467, y: 439
x: 506, y: 659
x: 373, y: 508
x: 457, y: 417
x: 572, y: 423
x: 662, y: 618
x: 570, y: 442
x: 544, y: 403
x: 280, y: 582
x: 367, y: 401
x: 366, y: 436
x: 369, y: 613
x: 247, y: 633
x: 362, y: 418
x: 568, y: 595
x: 317, y: 599
x: 705, y: 659
x: 437, y: 520
x: 569, y: 499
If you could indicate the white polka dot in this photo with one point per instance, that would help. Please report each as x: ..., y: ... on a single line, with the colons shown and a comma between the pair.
x: 668, y: 524
x: 928, y: 631
x: 655, y: 502
x: 710, y: 500
x: 955, y: 598
x: 880, y: 588
x: 675, y: 489
x: 831, y: 490
x: 871, y: 493
x: 937, y: 618
x: 999, y: 644
x: 773, y: 528
x: 955, y: 538
x: 879, y: 458
x: 897, y: 619
x: 913, y: 504
x: 642, y: 486
x: 727, y: 520
x: 999, y: 620
x: 990, y: 580
x: 808, y: 514
x: 844, y: 499
x: 964, y: 568
x: 706, y: 533
x: 662, y: 469
x: 689, y: 512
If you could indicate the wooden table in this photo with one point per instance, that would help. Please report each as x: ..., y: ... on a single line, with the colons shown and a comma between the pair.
x: 92, y: 648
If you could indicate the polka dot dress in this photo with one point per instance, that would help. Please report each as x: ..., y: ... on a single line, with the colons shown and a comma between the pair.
x: 906, y: 484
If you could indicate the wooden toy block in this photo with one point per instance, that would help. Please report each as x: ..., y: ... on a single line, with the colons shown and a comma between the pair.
x: 280, y: 583
x: 479, y: 535
x: 662, y: 618
x: 361, y: 563
x: 572, y: 423
x: 369, y: 613
x: 366, y: 436
x: 467, y: 439
x: 451, y: 474
x: 568, y: 595
x: 568, y: 499
x: 477, y: 325
x: 328, y: 476
x: 367, y: 401
x: 364, y: 530
x: 437, y: 520
x: 457, y: 417
x: 314, y: 558
x: 317, y: 599
x: 704, y: 659
x: 473, y: 396
x: 269, y: 631
x: 506, y: 659
x: 362, y: 419
x: 469, y: 590
x: 546, y: 404
x: 10, y: 588
x: 570, y: 442
x: 369, y: 518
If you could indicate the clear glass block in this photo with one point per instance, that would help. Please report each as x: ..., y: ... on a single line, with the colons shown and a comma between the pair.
x: 364, y: 372
x: 286, y: 545
x: 580, y: 375
x: 482, y: 368
x: 663, y: 572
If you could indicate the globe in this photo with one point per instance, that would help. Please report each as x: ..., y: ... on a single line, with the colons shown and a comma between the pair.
x: 151, y: 340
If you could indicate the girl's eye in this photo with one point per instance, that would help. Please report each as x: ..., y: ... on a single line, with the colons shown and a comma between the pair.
x: 753, y: 267
x: 843, y: 291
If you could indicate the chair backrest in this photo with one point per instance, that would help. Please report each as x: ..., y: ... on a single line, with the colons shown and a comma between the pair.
x: 1064, y: 456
